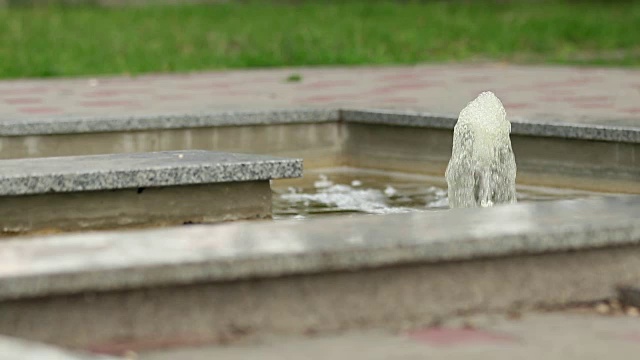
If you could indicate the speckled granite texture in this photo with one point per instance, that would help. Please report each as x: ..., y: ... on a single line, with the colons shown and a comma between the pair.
x: 121, y: 171
x: 86, y: 124
x: 119, y: 260
x: 518, y: 126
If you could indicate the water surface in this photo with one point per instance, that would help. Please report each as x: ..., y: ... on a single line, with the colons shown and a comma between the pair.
x: 348, y: 191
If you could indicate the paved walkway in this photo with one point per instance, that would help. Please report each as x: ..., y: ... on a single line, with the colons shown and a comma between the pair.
x: 555, y: 336
x: 606, y: 96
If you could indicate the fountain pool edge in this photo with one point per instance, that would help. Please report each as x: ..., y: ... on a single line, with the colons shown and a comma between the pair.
x: 241, y: 250
x: 203, y: 284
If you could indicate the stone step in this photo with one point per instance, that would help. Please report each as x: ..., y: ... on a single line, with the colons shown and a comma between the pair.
x: 130, y: 290
x: 139, y: 189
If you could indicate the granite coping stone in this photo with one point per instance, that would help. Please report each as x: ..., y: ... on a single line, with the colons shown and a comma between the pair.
x: 19, y: 349
x: 91, y: 124
x: 121, y: 171
x: 519, y: 126
x: 103, y: 261
x: 88, y: 124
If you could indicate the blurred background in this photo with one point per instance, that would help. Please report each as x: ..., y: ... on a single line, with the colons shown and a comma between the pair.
x: 54, y: 38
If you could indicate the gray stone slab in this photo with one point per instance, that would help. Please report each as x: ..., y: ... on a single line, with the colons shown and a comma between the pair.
x: 18, y: 349
x: 519, y: 126
x: 121, y: 171
x: 122, y: 260
x: 90, y: 124
x: 544, y: 125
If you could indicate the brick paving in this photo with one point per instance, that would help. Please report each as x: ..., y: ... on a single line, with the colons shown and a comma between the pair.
x: 583, y: 95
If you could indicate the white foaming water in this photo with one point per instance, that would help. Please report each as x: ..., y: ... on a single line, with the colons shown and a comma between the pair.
x: 324, y: 182
x: 345, y: 197
x: 482, y: 169
x: 302, y: 199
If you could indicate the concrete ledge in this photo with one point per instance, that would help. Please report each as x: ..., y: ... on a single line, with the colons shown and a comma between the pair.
x: 392, y: 297
x: 122, y: 260
x: 111, y: 292
x: 592, y: 165
x: 519, y: 126
x: 134, y: 208
x: 122, y: 171
x: 320, y: 144
x: 148, y: 189
x: 18, y: 349
x: 79, y: 125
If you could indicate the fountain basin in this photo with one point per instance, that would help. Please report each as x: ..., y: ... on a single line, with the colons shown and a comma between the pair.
x: 574, y: 156
x: 111, y: 291
x: 115, y: 291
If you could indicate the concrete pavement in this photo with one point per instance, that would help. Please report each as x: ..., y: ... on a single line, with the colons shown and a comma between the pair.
x: 554, y: 336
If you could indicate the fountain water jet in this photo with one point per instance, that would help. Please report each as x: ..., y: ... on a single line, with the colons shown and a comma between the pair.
x: 482, y: 169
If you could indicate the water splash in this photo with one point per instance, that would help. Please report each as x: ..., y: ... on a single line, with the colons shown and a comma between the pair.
x: 482, y: 169
x: 324, y: 182
x: 301, y: 199
x: 346, y: 198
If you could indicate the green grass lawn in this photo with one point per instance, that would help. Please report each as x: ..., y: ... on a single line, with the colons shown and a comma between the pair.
x: 64, y: 41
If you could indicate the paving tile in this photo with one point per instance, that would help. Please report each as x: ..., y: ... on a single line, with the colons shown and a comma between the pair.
x: 569, y: 94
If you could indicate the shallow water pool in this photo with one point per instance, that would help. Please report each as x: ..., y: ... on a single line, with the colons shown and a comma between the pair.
x: 347, y: 191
